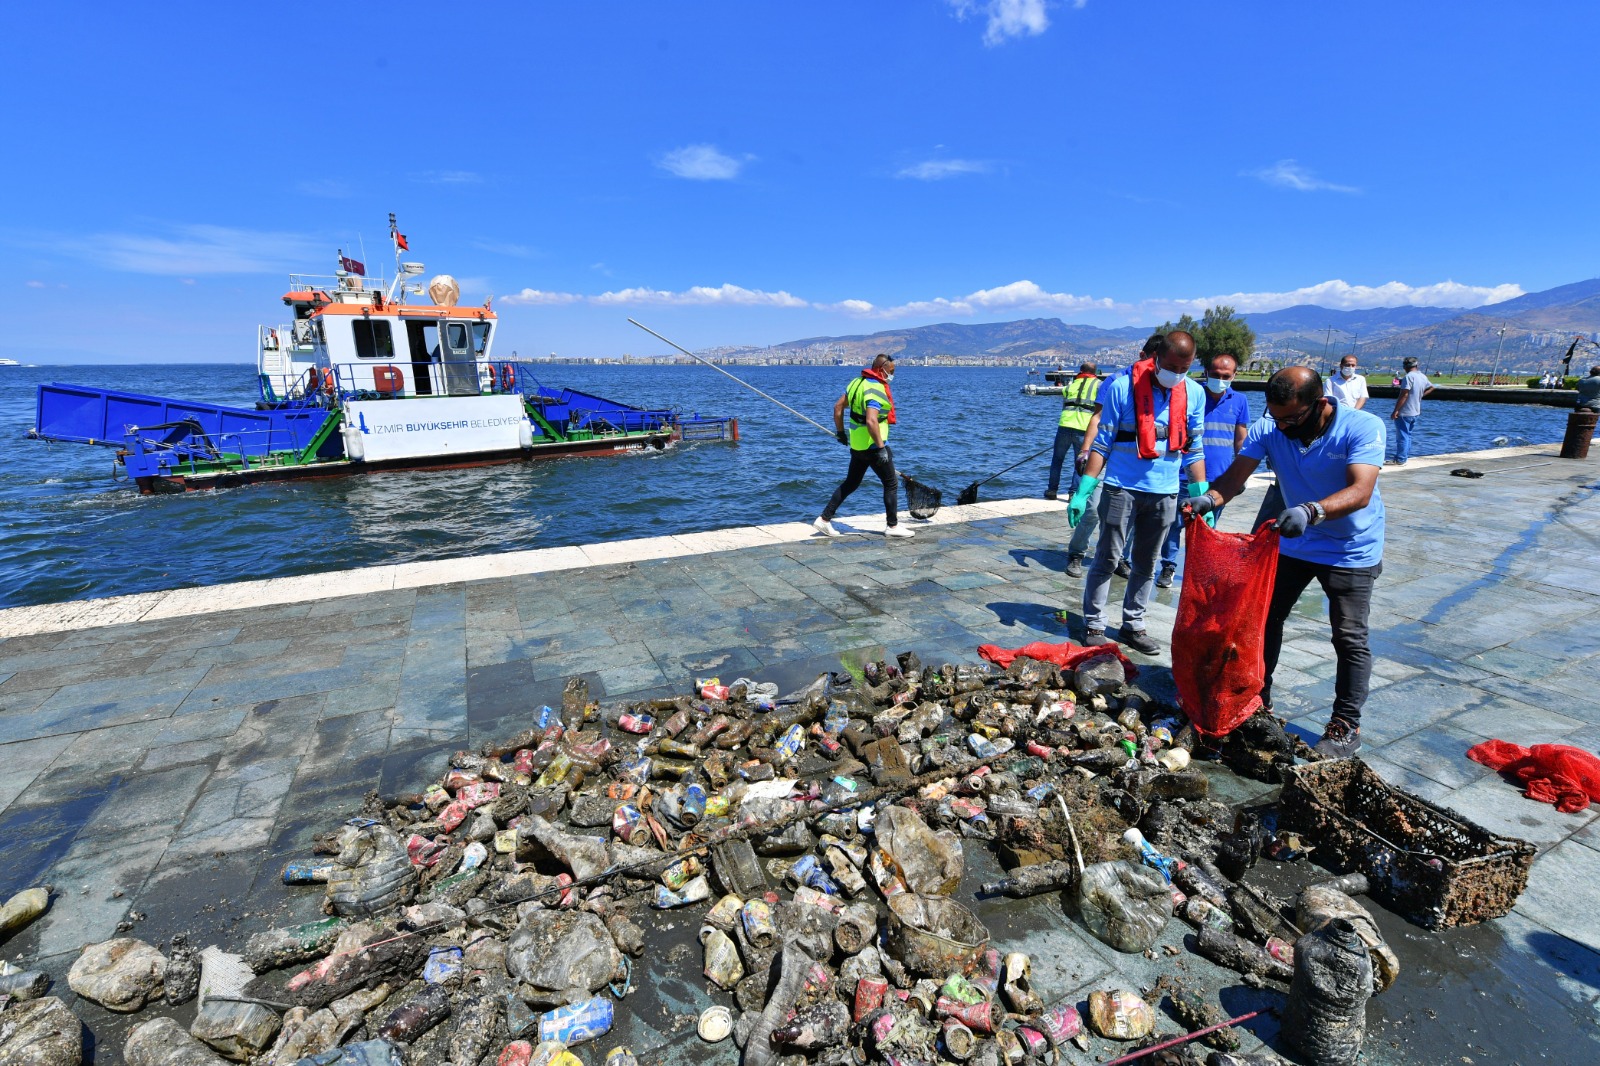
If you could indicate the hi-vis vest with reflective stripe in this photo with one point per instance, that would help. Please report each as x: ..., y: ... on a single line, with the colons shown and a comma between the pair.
x: 857, y: 393
x: 1077, y: 402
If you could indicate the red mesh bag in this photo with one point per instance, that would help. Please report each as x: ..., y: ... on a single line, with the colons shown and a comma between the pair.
x: 1222, y: 613
x: 1066, y: 655
x: 1554, y: 773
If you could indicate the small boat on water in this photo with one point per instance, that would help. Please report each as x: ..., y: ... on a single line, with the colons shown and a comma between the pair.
x: 362, y: 380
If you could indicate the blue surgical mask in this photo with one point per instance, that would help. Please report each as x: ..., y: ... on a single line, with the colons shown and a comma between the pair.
x: 1170, y: 379
x: 1219, y: 385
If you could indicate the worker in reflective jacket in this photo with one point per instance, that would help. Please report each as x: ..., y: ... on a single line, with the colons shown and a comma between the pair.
x: 869, y: 401
x: 1077, y: 406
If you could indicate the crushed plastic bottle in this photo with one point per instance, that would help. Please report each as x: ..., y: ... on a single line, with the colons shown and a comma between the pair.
x: 1124, y: 906
x: 1326, y: 1016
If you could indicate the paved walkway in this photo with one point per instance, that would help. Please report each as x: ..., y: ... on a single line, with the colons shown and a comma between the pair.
x: 161, y: 755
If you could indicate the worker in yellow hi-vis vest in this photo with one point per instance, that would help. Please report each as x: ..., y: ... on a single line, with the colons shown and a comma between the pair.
x: 870, y: 405
x: 1077, y: 405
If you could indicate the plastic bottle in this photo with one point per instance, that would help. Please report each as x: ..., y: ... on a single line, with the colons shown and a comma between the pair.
x: 821, y: 1026
x: 1326, y: 1016
x: 23, y: 908
x: 424, y: 1011
x: 1236, y: 953
x: 1032, y: 880
x: 1152, y: 858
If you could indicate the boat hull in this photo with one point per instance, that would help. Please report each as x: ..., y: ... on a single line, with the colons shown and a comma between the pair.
x: 178, y: 483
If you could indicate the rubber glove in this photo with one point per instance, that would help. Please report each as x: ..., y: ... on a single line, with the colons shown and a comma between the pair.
x: 1293, y: 522
x: 842, y: 437
x: 1201, y: 504
x: 1079, y: 504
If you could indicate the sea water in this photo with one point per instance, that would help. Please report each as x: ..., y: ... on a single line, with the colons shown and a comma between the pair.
x: 68, y: 530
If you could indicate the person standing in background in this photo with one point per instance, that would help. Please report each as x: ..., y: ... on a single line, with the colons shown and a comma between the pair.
x: 1347, y: 386
x: 1227, y: 418
x: 1408, y: 408
x: 1077, y: 407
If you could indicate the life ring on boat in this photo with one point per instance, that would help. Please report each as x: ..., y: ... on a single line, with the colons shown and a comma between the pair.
x: 508, y: 377
x: 327, y: 380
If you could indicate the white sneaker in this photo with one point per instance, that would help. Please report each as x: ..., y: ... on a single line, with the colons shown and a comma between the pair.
x: 825, y: 527
x: 899, y: 531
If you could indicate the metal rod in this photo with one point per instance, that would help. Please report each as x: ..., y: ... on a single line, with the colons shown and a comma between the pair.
x: 1013, y: 466
x: 741, y: 381
x: 1143, y: 1052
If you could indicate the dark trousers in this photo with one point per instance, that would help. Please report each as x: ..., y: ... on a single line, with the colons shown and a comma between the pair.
x: 1349, y: 592
x: 1067, y: 440
x: 881, y: 462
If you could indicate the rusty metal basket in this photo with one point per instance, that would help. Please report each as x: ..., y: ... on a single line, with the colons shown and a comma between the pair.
x: 1423, y: 861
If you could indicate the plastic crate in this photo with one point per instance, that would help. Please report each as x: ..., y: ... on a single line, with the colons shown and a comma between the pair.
x: 1423, y: 861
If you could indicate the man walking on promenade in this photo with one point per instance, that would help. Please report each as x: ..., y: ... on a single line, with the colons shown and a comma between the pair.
x: 1151, y: 422
x: 1227, y: 418
x: 1408, y: 407
x: 1347, y: 386
x: 1327, y: 457
x: 871, y: 405
x: 1077, y: 407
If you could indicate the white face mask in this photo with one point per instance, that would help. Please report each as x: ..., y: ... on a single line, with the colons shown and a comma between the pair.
x: 889, y: 376
x: 1170, y: 379
x: 1347, y: 371
x: 1219, y: 385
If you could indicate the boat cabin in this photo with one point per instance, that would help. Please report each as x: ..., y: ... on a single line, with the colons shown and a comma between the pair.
x: 376, y: 345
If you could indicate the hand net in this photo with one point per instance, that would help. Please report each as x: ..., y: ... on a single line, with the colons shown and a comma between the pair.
x: 922, y: 500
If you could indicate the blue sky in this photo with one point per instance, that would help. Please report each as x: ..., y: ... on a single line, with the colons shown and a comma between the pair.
x: 748, y: 173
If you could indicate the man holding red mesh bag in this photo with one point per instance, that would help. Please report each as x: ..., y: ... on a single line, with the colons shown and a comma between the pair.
x: 1327, y: 457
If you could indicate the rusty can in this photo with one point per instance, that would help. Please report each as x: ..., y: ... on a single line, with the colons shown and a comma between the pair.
x: 636, y: 723
x: 869, y: 996
x: 979, y: 1017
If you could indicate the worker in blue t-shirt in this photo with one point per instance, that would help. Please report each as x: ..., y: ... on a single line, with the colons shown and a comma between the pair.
x: 1227, y: 417
x: 1327, y: 457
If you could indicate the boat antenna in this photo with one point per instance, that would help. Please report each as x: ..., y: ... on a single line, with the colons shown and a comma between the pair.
x: 741, y: 381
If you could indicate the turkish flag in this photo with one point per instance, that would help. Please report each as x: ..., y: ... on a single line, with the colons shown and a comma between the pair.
x: 354, y: 266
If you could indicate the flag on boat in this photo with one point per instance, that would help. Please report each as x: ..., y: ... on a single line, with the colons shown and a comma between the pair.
x: 352, y: 266
x: 400, y: 242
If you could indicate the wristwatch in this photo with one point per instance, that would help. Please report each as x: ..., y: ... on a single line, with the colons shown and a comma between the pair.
x: 1318, y: 515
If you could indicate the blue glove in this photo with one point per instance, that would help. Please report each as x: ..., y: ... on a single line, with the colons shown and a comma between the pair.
x: 1079, y: 504
x: 1293, y: 522
x: 1200, y: 504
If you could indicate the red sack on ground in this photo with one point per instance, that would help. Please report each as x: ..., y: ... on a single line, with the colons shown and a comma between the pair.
x: 1217, y: 662
x: 1067, y: 655
x: 1554, y: 773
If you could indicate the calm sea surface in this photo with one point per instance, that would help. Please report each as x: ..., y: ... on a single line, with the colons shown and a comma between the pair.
x: 67, y: 530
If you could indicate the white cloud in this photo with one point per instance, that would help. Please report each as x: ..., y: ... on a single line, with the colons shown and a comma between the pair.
x: 1288, y: 174
x: 1017, y: 296
x: 1005, y: 19
x: 36, y: 284
x: 447, y: 177
x: 195, y: 250
x: 538, y: 298
x: 1343, y: 296
x: 696, y: 296
x: 702, y: 162
x: 700, y: 296
x: 938, y: 169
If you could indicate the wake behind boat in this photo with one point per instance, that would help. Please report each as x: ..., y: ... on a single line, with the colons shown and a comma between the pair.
x: 361, y: 380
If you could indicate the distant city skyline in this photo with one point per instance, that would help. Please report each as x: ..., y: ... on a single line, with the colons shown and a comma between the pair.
x: 745, y: 175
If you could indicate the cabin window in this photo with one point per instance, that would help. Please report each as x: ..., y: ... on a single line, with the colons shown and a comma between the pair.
x: 480, y: 338
x: 458, y: 337
x: 373, y: 339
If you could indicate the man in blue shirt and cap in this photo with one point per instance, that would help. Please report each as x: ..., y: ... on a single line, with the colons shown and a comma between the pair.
x: 1327, y: 457
x: 1151, y: 423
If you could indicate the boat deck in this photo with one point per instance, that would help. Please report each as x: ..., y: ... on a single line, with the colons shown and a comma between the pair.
x: 166, y: 753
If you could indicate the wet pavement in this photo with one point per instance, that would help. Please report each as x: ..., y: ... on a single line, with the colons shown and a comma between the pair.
x: 168, y: 768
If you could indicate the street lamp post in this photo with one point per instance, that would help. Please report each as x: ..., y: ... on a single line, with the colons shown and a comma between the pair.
x: 1497, y: 348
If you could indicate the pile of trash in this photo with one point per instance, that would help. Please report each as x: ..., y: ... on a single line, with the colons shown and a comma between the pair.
x: 818, y: 840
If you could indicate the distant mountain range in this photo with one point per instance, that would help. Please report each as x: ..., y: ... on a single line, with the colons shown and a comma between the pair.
x: 1539, y: 326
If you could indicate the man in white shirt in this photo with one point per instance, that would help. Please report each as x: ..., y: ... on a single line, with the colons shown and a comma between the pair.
x: 1346, y: 386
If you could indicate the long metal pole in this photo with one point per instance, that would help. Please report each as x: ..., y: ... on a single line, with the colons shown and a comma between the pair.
x: 1497, y: 348
x: 741, y: 381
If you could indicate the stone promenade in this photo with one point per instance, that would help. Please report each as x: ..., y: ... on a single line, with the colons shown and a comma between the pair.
x: 162, y: 755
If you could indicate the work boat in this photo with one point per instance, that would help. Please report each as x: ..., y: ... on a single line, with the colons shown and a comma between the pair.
x: 361, y: 380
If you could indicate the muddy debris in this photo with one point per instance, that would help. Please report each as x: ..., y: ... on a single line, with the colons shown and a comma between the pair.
x: 814, y: 844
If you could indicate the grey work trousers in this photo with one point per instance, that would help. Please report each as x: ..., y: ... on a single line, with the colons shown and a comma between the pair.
x: 1146, y: 517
